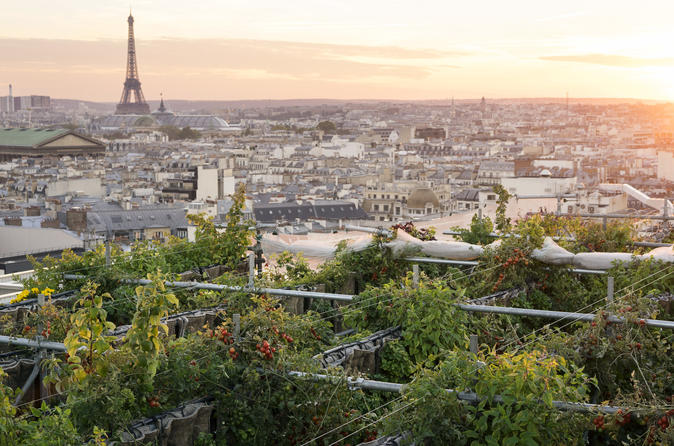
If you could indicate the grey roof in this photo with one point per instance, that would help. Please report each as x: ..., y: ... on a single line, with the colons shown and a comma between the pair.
x: 323, y: 210
x: 136, y: 219
x: 468, y: 195
x: 19, y: 241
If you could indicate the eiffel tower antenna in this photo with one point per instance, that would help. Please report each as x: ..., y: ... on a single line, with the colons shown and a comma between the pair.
x: 132, y: 101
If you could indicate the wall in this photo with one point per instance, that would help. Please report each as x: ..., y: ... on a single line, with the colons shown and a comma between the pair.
x: 666, y: 165
x: 91, y: 187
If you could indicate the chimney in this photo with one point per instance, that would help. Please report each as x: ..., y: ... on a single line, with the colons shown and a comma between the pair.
x: 10, y: 100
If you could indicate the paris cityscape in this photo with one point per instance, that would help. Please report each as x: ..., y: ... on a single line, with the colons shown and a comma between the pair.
x: 318, y: 231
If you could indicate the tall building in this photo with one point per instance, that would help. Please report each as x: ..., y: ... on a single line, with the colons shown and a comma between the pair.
x: 132, y: 101
x: 7, y: 102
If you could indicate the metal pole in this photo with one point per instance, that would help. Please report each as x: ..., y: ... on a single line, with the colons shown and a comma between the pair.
x: 251, y: 270
x: 610, y: 286
x: 107, y: 249
x: 360, y: 383
x: 23, y: 342
x: 215, y: 287
x: 415, y: 276
x: 586, y: 317
x: 473, y: 344
x: 237, y: 326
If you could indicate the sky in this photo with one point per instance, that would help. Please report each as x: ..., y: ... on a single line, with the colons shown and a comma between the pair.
x: 341, y: 49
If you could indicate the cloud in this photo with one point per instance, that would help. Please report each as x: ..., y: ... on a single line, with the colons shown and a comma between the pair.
x: 613, y: 60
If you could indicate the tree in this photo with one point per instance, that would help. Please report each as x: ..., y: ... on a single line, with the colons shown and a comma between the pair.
x: 327, y: 126
x: 176, y: 134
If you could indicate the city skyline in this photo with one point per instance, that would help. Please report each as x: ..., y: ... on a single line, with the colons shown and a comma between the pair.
x: 370, y: 51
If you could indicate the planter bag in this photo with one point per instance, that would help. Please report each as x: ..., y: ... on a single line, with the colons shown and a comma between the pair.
x: 18, y: 371
x: 177, y: 427
x: 181, y: 323
x: 502, y: 297
x: 362, y: 355
x: 390, y: 440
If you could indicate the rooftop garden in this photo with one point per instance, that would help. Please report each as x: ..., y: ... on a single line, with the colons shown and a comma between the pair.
x: 402, y: 356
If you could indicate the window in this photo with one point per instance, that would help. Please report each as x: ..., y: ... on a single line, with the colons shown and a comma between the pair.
x: 376, y: 207
x: 386, y: 208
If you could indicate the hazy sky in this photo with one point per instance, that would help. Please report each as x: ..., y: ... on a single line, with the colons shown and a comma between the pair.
x: 207, y: 49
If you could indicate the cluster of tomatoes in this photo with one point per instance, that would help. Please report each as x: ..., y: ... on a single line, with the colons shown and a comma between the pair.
x: 266, y: 350
x: 370, y: 435
x: 422, y: 234
x: 47, y: 331
x: 623, y: 418
x: 598, y: 422
x: 663, y: 422
x: 517, y: 257
x: 233, y: 353
x: 153, y: 401
x: 221, y: 334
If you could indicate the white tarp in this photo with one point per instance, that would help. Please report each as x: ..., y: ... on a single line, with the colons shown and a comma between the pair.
x: 553, y: 254
x: 324, y: 246
x: 440, y: 249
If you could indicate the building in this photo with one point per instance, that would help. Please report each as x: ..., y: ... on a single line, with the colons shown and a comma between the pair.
x: 666, y: 164
x: 126, y: 226
x: 427, y: 133
x: 17, y: 143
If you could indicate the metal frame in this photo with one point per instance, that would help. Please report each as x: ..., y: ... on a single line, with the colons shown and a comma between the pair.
x: 383, y: 386
x: 475, y: 263
x: 566, y: 239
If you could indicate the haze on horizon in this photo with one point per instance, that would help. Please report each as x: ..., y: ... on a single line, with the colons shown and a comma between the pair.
x: 341, y: 50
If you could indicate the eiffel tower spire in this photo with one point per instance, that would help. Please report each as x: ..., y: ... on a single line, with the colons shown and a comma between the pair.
x: 132, y: 101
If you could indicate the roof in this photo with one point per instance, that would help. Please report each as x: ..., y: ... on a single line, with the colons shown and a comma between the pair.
x: 136, y: 219
x: 468, y: 195
x: 420, y: 197
x: 18, y: 241
x: 36, y: 141
x: 28, y: 137
x: 21, y: 137
x: 322, y: 210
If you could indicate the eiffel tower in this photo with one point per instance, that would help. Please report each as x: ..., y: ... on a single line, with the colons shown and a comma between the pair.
x: 132, y: 101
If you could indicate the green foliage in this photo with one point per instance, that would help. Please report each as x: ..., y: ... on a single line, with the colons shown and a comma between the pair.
x: 479, y: 231
x: 422, y: 313
x: 86, y: 340
x: 176, y: 134
x: 142, y: 339
x: 327, y: 126
x: 502, y: 222
x: 515, y: 407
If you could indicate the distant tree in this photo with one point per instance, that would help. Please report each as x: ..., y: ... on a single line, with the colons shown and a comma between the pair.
x: 188, y: 133
x: 327, y: 126
x: 70, y: 126
x: 115, y: 135
x: 171, y: 131
x: 176, y: 134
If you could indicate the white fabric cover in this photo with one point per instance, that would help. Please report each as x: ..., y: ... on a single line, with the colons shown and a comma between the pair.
x: 440, y: 249
x: 323, y: 249
x: 600, y: 260
x: 665, y: 254
x: 552, y: 254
